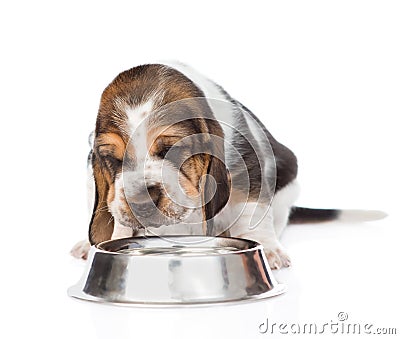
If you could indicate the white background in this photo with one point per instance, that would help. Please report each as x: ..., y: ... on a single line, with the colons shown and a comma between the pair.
x: 324, y: 76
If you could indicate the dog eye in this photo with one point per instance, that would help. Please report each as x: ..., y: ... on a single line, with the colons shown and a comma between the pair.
x: 161, y: 154
x: 112, y: 163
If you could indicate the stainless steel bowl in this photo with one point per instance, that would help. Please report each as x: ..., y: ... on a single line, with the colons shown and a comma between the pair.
x: 176, y: 270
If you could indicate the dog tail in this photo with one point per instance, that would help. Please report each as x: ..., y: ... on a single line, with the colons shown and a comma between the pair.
x: 302, y: 215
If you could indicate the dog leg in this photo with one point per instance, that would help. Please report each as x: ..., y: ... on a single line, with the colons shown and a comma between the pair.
x: 282, y: 203
x: 263, y: 232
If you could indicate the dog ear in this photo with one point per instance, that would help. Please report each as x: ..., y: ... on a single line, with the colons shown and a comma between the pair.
x: 101, y: 224
x: 216, y: 189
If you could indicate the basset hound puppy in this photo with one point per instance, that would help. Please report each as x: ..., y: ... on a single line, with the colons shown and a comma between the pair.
x: 173, y: 153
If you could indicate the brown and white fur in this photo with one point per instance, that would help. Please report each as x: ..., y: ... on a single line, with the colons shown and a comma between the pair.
x: 132, y: 130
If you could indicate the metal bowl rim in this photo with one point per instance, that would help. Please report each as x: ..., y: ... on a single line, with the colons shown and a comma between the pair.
x: 254, y: 246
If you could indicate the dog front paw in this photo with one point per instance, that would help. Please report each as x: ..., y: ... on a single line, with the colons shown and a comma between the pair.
x: 277, y: 257
x: 81, y: 250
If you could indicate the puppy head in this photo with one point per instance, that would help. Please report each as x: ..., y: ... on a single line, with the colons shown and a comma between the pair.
x: 158, y: 154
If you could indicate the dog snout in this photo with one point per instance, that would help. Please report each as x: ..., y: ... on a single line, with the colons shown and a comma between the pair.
x: 144, y: 201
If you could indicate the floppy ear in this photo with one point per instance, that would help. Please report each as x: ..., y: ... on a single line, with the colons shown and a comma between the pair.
x: 101, y: 224
x: 216, y: 188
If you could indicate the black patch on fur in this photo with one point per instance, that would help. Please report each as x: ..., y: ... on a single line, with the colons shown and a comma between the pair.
x: 89, y: 158
x: 302, y: 215
x: 286, y: 161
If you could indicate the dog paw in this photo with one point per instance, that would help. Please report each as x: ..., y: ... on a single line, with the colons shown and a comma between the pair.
x: 81, y: 250
x: 277, y: 258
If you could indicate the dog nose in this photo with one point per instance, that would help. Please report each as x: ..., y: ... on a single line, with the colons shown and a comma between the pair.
x: 145, y: 201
